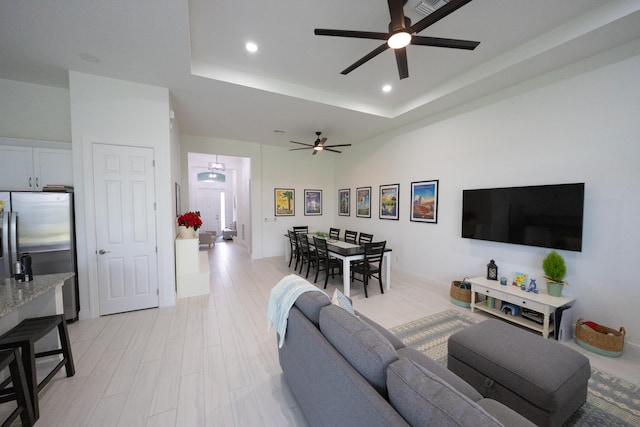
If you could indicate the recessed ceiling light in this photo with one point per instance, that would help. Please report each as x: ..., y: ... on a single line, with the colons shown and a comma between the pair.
x: 251, y: 47
x: 386, y: 88
x: 89, y: 58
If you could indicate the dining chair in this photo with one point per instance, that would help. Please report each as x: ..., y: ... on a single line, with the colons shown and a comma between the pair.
x: 350, y: 236
x: 301, y: 229
x: 365, y: 238
x: 295, y: 252
x: 324, y: 262
x: 334, y: 233
x: 371, y: 265
x: 307, y: 255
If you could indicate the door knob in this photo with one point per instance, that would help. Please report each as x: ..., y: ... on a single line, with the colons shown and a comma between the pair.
x: 102, y: 252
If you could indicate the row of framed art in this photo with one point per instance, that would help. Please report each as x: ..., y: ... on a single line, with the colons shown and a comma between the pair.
x: 424, y: 202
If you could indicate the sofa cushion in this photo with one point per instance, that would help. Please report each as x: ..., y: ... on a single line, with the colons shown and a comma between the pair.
x: 394, y: 340
x: 310, y: 304
x: 431, y: 365
x: 424, y: 399
x: 360, y: 344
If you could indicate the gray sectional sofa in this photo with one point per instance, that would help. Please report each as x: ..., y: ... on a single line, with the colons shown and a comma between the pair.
x: 349, y: 371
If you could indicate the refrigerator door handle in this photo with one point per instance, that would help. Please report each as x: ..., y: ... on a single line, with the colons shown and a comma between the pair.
x: 5, y: 244
x: 13, y: 239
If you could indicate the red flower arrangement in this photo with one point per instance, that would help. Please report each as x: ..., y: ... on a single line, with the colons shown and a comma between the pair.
x: 190, y: 219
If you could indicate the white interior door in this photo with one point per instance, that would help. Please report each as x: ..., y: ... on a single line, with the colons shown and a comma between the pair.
x: 208, y: 203
x: 125, y: 228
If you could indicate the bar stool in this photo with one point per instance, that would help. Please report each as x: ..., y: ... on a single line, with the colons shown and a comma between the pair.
x: 24, y: 337
x: 19, y: 391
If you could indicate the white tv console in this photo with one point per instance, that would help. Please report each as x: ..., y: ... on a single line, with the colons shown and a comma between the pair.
x: 540, y: 302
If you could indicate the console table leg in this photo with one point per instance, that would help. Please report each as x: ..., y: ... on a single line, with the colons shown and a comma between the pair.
x: 545, y: 326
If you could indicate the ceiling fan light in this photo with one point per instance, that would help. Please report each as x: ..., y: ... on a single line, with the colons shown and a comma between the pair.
x: 318, y: 148
x: 399, y: 40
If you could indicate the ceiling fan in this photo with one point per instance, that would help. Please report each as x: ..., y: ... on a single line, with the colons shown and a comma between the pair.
x: 402, y: 33
x: 318, y: 145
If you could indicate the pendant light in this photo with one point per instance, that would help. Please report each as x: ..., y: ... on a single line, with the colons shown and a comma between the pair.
x: 214, y: 174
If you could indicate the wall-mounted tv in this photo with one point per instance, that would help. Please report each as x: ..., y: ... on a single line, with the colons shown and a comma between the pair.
x: 548, y: 216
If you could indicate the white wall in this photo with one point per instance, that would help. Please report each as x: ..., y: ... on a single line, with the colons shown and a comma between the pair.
x: 117, y: 112
x: 577, y: 125
x: 31, y: 111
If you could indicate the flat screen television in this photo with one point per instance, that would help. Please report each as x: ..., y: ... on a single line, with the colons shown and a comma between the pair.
x: 548, y: 216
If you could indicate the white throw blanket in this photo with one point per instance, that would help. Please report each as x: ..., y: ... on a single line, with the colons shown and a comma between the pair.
x: 283, y: 295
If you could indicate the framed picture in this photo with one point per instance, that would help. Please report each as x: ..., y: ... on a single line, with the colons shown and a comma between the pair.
x: 284, y: 200
x: 177, y: 200
x: 424, y: 201
x: 363, y: 202
x: 313, y: 202
x: 389, y: 198
x: 344, y: 202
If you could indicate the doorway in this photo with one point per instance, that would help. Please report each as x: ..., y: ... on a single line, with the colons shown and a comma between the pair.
x: 208, y: 203
x: 124, y: 198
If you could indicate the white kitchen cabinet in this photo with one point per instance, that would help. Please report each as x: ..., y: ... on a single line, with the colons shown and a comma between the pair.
x: 26, y: 167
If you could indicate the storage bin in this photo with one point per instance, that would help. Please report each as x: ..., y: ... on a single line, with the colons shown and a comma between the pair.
x: 460, y: 293
x: 600, y: 339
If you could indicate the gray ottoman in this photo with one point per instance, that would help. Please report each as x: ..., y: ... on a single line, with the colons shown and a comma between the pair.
x: 540, y: 379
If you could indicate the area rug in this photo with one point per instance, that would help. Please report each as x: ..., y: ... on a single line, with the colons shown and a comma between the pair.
x: 610, y: 400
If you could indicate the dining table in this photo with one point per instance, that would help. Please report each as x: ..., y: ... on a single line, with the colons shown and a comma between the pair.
x: 347, y: 252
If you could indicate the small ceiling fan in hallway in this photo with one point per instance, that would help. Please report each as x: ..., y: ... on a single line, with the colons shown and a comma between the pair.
x: 318, y: 145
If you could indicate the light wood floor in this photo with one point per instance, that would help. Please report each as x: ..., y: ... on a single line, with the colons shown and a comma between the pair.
x: 210, y: 361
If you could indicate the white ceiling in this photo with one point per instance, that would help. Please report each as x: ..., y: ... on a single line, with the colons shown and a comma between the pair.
x: 293, y: 83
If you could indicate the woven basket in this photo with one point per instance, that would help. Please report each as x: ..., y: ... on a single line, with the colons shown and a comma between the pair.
x: 601, y: 340
x: 460, y: 296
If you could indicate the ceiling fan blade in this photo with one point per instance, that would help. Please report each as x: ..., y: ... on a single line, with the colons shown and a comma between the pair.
x: 438, y: 14
x: 401, y: 60
x: 302, y: 143
x: 322, y: 141
x: 338, y: 145
x: 377, y: 51
x: 329, y: 149
x: 396, y: 11
x: 314, y: 152
x: 296, y: 149
x: 439, y: 42
x: 352, y: 34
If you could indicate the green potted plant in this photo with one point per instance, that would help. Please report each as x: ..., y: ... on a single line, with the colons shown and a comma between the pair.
x: 554, y: 271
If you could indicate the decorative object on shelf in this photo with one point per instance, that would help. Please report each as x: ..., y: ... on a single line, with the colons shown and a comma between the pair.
x: 389, y: 198
x: 503, y: 281
x: 510, y: 309
x: 532, y: 286
x: 492, y: 270
x: 460, y: 293
x: 554, y: 271
x: 600, y: 339
x: 188, y: 224
x: 520, y: 280
x: 313, y: 202
x: 363, y: 202
x: 424, y: 201
x: 284, y: 200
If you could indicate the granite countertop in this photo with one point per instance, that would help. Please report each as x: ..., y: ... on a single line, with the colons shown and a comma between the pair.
x: 15, y: 294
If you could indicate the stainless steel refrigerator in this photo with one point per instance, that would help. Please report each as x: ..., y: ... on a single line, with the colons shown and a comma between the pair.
x: 41, y: 224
